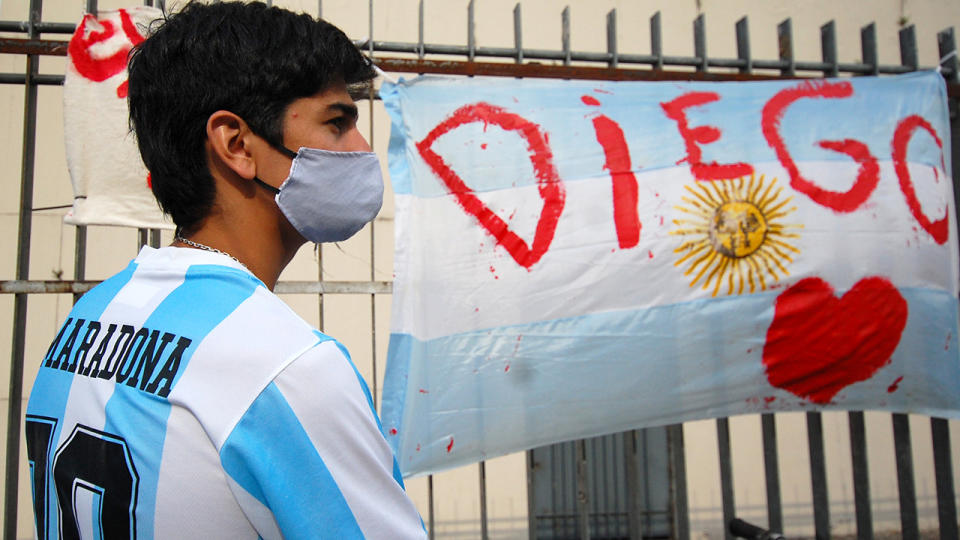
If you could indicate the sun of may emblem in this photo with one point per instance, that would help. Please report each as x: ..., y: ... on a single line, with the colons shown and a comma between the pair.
x: 733, y: 234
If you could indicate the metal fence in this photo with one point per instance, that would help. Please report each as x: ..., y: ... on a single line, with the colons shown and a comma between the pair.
x: 469, y: 59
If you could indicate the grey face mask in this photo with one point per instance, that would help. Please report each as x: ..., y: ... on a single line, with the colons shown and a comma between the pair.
x: 329, y: 196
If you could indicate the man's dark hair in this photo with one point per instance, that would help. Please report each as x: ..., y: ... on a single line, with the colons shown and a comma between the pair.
x: 248, y: 59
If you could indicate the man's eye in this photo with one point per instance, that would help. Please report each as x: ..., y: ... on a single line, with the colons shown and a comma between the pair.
x: 340, y: 123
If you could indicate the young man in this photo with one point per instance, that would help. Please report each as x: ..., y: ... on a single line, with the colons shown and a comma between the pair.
x: 182, y: 398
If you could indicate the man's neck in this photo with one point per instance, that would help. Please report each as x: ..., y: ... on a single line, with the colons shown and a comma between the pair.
x: 265, y: 250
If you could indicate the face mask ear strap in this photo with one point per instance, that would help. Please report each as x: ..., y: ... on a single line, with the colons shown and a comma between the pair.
x: 266, y: 186
x: 285, y: 151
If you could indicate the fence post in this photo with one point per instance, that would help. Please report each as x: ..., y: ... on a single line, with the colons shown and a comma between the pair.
x: 15, y: 395
x: 680, y: 519
x: 743, y: 45
x: 909, y: 526
x: 656, y: 41
x: 818, y: 475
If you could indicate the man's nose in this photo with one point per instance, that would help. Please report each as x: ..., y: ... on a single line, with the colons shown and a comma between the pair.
x: 357, y: 142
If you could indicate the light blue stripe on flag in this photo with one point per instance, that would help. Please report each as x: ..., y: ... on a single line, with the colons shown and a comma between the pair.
x: 585, y: 376
x: 207, y: 296
x: 270, y: 455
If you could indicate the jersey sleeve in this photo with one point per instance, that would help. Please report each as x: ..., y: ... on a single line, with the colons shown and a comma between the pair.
x: 308, y: 460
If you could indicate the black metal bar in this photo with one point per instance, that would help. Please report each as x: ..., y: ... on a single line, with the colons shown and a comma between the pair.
x: 785, y: 47
x: 633, y: 484
x: 726, y: 473
x: 484, y: 534
x: 40, y: 27
x: 743, y: 45
x: 943, y: 470
x: 566, y: 54
x: 80, y: 258
x: 420, y: 43
x: 583, y: 491
x: 656, y: 42
x: 58, y: 286
x: 771, y: 467
x: 908, y: 47
x: 518, y: 32
x: 154, y: 235
x: 828, y: 48
x: 861, y: 475
x: 947, y: 45
x: 15, y: 394
x: 868, y: 44
x: 655, y: 61
x: 680, y: 519
x: 432, y: 530
x: 531, y: 506
x: 39, y: 79
x: 700, y: 42
x: 818, y: 475
x: 909, y: 526
x: 612, y: 37
x: 471, y: 36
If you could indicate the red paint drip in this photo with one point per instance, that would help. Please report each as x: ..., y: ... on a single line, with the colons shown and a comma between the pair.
x: 895, y: 386
x: 819, y: 344
x: 649, y: 254
x: 483, y: 146
x: 149, y: 181
x: 550, y: 186
x: 590, y: 100
x: 506, y: 369
x: 695, y: 136
x: 450, y: 446
x: 939, y: 229
x: 418, y: 447
x: 422, y: 391
x: 393, y: 431
x: 769, y: 399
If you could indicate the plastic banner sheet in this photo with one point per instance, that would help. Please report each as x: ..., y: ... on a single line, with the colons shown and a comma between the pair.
x: 110, y: 182
x: 581, y: 258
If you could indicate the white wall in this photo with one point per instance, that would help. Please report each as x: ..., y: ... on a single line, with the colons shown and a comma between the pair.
x: 348, y: 317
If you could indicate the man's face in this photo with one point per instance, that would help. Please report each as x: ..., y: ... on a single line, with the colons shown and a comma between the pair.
x: 326, y: 120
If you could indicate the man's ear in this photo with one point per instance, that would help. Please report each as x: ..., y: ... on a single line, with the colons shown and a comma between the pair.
x: 229, y: 138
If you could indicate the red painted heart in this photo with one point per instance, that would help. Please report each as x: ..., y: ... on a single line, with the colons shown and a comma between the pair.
x: 819, y: 344
x: 549, y: 183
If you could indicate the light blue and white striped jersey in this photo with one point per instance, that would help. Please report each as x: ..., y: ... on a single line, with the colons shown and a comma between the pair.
x: 182, y: 399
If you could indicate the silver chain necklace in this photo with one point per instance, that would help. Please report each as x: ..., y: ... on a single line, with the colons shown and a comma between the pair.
x: 204, y: 247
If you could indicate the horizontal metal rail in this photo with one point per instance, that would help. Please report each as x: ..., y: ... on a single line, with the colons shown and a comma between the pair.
x: 527, y: 62
x: 25, y: 286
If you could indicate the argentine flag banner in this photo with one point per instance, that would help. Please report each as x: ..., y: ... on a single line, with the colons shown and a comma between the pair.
x: 580, y: 258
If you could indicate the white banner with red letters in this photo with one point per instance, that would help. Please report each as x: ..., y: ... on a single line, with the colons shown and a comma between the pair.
x: 581, y: 258
x: 110, y: 182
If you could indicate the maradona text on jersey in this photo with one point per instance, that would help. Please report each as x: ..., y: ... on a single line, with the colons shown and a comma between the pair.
x: 139, y: 357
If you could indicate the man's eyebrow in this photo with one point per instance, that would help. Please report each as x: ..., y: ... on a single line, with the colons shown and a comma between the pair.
x: 346, y: 109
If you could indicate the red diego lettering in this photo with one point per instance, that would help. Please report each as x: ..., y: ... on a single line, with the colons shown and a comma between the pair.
x: 695, y: 136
